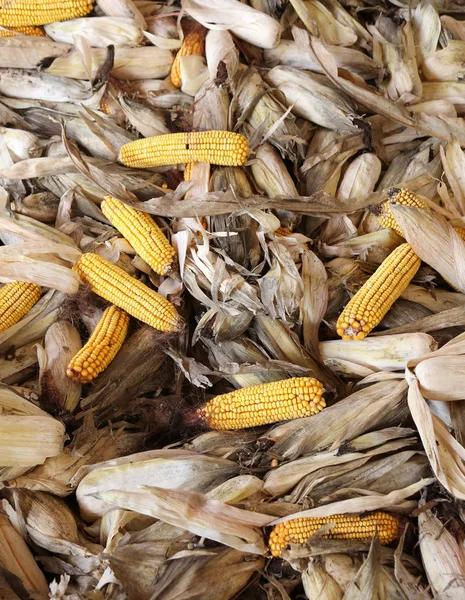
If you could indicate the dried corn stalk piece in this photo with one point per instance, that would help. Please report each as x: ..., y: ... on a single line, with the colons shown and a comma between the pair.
x: 16, y: 13
x: 264, y: 403
x: 16, y: 300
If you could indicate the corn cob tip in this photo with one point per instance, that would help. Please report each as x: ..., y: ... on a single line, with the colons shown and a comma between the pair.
x: 402, y: 196
x: 393, y: 192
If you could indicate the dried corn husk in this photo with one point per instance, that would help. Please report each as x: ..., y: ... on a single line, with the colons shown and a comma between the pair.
x: 99, y: 33
x: 319, y: 584
x: 360, y: 177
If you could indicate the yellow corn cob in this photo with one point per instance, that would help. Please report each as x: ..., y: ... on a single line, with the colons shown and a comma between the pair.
x: 193, y: 43
x: 264, y: 403
x: 188, y: 171
x: 102, y: 347
x: 115, y: 285
x: 346, y: 527
x: 16, y: 300
x: 215, y: 147
x: 397, y: 196
x: 142, y: 233
x: 16, y: 13
x: 34, y: 31
x: 282, y: 232
x: 460, y: 231
x: 376, y: 296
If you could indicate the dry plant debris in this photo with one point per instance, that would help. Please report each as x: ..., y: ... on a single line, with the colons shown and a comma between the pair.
x: 232, y: 299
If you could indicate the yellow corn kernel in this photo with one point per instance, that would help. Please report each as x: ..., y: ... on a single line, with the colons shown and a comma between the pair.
x: 16, y: 300
x: 283, y: 232
x: 193, y: 43
x: 397, y: 196
x: 460, y: 231
x: 14, y: 31
x: 142, y: 233
x: 102, y: 346
x: 346, y: 527
x: 188, y: 171
x: 116, y: 286
x: 264, y: 403
x: 376, y: 296
x: 16, y: 13
x: 215, y: 147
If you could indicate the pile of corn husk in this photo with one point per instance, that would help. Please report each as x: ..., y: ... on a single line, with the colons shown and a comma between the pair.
x: 108, y: 491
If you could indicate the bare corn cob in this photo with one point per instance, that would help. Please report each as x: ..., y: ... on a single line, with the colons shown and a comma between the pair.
x: 34, y: 31
x: 265, y: 403
x: 188, y: 171
x: 215, y: 147
x: 16, y: 300
x: 115, y: 285
x: 376, y: 296
x: 397, y: 196
x: 16, y: 13
x: 102, y: 347
x: 346, y: 527
x: 193, y: 43
x: 142, y: 233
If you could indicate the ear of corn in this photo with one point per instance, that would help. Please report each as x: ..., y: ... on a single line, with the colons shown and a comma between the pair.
x: 25, y: 30
x: 376, y: 296
x: 188, y: 171
x: 16, y: 13
x: 265, y: 403
x: 16, y: 300
x: 193, y: 43
x: 346, y: 527
x: 142, y: 233
x: 102, y: 347
x: 215, y: 147
x: 397, y: 196
x: 115, y: 285
x: 460, y: 231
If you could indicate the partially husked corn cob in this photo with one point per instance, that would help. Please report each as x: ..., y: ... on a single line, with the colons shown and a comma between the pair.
x: 264, y: 403
x: 397, y: 196
x: 214, y: 147
x: 193, y: 43
x: 460, y: 231
x: 142, y: 233
x: 16, y: 13
x: 102, y: 346
x: 16, y: 300
x: 13, y: 31
x: 188, y: 171
x: 376, y: 296
x: 115, y: 285
x: 346, y: 527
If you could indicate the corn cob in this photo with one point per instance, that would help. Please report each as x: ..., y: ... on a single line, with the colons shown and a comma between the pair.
x: 215, y: 147
x: 397, y: 196
x: 188, y: 171
x: 102, y: 347
x: 16, y: 13
x: 460, y: 231
x: 142, y: 233
x: 16, y: 300
x: 115, y: 285
x: 376, y: 296
x: 264, y: 403
x: 193, y: 43
x: 346, y: 527
x: 34, y: 31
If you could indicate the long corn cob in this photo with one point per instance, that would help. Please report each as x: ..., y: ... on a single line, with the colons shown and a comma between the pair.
x: 14, y: 31
x: 215, y: 147
x: 376, y: 296
x: 142, y: 233
x: 404, y: 197
x: 102, y: 347
x: 16, y: 300
x: 16, y: 13
x: 193, y: 43
x: 346, y: 527
x: 115, y: 285
x: 264, y: 403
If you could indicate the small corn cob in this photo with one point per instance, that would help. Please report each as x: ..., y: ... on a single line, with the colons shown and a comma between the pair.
x: 142, y: 233
x: 397, y: 196
x: 346, y: 527
x: 16, y: 300
x: 102, y: 347
x: 188, y: 171
x: 264, y: 403
x: 215, y: 147
x: 16, y: 13
x: 376, y: 296
x: 193, y: 43
x: 34, y: 31
x: 116, y: 286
